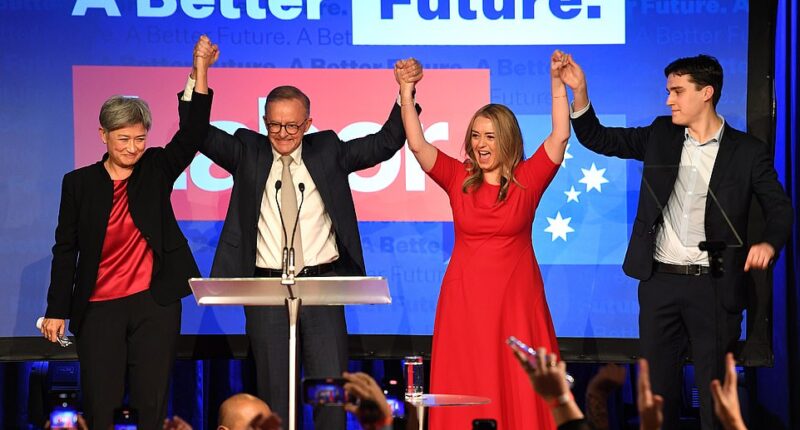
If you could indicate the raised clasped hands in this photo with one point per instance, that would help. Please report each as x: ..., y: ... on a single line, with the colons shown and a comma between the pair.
x: 571, y: 73
x: 558, y: 61
x: 407, y: 73
x: 205, y: 55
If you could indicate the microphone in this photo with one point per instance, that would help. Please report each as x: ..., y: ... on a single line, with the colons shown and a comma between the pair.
x: 302, y: 187
x: 62, y: 340
x: 285, y: 253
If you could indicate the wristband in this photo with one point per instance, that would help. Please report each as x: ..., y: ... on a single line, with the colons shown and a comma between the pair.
x: 561, y: 400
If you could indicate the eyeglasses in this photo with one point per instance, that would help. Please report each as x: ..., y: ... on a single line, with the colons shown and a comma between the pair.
x: 291, y: 128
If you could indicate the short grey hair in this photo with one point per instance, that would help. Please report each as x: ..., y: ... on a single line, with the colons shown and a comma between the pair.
x: 288, y: 92
x: 124, y: 111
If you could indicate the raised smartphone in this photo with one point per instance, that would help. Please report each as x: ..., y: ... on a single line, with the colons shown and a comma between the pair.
x: 325, y: 391
x: 126, y: 418
x: 518, y: 345
x: 64, y: 418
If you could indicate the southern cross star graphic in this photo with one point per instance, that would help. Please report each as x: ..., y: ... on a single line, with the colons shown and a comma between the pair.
x: 572, y: 195
x: 567, y: 156
x: 593, y: 178
x: 559, y: 227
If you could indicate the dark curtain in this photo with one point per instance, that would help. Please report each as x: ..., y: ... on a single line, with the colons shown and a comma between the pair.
x: 775, y: 392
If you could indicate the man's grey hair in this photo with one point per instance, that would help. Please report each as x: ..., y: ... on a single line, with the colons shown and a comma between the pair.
x: 124, y: 111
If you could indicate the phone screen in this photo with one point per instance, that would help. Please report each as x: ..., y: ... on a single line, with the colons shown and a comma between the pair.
x: 398, y: 406
x: 63, y: 418
x: 125, y: 419
x: 484, y: 424
x: 325, y: 391
x: 518, y: 345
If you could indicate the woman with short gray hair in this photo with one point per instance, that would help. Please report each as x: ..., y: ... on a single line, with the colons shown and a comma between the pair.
x: 120, y: 261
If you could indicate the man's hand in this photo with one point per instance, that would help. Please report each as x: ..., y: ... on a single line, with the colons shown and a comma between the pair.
x: 573, y: 77
x: 205, y: 55
x: 650, y: 405
x: 726, y: 397
x: 176, y: 423
x: 373, y: 411
x: 759, y: 257
x: 52, y: 329
x: 572, y: 74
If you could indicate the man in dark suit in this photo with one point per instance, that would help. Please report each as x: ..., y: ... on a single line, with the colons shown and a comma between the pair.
x: 700, y: 175
x: 312, y: 170
x: 120, y: 262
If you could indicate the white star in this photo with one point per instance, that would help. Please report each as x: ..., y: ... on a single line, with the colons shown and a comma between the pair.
x: 567, y: 156
x: 572, y: 195
x: 559, y: 227
x: 593, y: 178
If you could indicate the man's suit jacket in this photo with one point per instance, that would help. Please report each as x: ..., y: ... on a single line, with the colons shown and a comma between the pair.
x: 743, y: 169
x: 247, y: 156
x: 86, y: 201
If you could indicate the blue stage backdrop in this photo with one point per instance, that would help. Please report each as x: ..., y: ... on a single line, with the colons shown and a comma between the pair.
x: 494, y: 51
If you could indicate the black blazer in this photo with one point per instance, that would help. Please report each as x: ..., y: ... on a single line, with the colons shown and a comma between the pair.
x: 247, y: 156
x: 86, y: 201
x: 743, y: 169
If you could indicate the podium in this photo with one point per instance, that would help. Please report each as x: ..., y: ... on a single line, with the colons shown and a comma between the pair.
x: 292, y: 293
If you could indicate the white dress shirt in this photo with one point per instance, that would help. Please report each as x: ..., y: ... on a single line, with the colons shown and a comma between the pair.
x: 685, y: 214
x: 683, y: 228
x: 319, y: 239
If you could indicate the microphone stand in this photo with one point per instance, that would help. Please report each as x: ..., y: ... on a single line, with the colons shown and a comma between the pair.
x: 293, y: 307
x: 714, y: 249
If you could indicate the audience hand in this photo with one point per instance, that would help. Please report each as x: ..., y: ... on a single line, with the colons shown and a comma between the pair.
x: 81, y: 425
x: 650, y: 405
x: 607, y: 379
x: 548, y: 376
x: 726, y: 397
x: 176, y: 423
x: 372, y: 410
x: 269, y: 422
x: 549, y: 379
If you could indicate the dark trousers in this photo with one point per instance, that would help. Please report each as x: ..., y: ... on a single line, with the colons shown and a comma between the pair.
x: 677, y: 312
x: 322, y: 339
x: 133, y: 335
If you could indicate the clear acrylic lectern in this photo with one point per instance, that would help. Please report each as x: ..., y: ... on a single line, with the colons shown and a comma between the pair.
x: 292, y: 293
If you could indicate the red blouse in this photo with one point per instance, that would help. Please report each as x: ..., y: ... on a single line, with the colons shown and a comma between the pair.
x: 126, y: 262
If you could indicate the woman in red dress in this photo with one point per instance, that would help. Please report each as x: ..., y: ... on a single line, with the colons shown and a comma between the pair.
x: 492, y: 288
